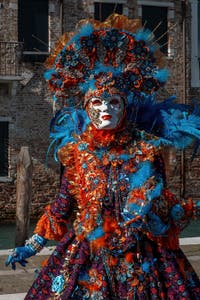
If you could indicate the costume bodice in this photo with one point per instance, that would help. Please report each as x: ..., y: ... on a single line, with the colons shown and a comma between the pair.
x: 115, y: 178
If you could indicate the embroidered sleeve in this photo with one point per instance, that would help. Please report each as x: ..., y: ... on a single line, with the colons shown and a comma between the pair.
x: 57, y: 216
x: 172, y: 211
x: 176, y: 215
x: 169, y: 215
x: 54, y: 222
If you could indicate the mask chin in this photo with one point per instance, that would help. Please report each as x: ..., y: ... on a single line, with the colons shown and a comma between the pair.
x: 105, y: 126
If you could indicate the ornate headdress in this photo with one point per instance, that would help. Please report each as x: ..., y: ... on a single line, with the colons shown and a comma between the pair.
x: 115, y: 55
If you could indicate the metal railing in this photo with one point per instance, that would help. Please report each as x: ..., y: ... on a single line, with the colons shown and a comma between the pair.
x: 10, y: 58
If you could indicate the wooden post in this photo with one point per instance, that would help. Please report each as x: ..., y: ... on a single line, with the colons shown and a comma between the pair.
x: 24, y: 194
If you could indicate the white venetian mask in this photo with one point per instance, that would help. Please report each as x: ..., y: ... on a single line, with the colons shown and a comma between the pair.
x: 106, y: 112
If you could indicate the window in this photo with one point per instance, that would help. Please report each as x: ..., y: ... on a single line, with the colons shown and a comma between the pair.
x: 158, y: 16
x: 195, y: 43
x: 153, y: 16
x: 104, y: 10
x: 4, y: 126
x: 4, y: 88
x: 33, y: 25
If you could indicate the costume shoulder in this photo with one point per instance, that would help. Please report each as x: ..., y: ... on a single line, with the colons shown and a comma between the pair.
x: 149, y: 140
x: 66, y: 154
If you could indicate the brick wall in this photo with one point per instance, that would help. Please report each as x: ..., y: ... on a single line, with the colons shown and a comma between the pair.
x: 73, y: 11
x: 192, y: 173
x: 29, y: 111
x: 8, y: 20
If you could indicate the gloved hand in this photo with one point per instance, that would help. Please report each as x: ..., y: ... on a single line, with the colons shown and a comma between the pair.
x: 156, y: 225
x: 20, y: 254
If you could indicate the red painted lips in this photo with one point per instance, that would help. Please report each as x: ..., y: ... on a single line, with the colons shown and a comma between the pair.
x: 106, y: 117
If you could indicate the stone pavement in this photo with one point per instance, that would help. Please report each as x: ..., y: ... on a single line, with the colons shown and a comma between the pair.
x: 14, y: 284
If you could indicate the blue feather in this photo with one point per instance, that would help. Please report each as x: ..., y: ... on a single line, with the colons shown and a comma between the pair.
x: 180, y: 127
x: 125, y: 157
x: 138, y: 178
x: 66, y: 124
x: 85, y: 30
x: 172, y: 123
x: 162, y: 75
x: 156, y: 192
x: 143, y: 35
x: 89, y: 84
x: 95, y: 234
x: 48, y: 74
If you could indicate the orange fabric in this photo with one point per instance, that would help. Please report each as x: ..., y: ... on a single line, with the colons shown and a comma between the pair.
x: 49, y: 227
x: 110, y: 225
x: 98, y: 243
x: 129, y: 257
x: 44, y: 262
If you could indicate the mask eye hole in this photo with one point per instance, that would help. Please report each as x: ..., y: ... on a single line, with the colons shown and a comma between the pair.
x: 114, y: 101
x: 96, y: 102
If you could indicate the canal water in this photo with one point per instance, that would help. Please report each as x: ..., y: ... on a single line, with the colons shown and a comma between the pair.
x: 7, y: 233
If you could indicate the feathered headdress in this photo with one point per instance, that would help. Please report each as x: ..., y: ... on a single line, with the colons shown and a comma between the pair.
x: 99, y: 56
x: 115, y: 54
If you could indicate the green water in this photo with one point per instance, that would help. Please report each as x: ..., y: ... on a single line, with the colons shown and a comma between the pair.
x: 7, y: 233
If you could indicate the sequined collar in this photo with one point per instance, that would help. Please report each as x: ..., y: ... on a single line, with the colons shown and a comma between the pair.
x: 96, y: 138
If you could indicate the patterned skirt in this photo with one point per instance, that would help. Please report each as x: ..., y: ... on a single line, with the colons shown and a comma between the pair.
x: 141, y: 270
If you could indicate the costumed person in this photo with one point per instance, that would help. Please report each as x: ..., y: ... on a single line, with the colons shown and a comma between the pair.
x: 116, y: 222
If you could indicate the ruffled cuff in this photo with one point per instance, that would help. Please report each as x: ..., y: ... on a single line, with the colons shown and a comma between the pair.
x: 49, y: 228
x: 36, y: 243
